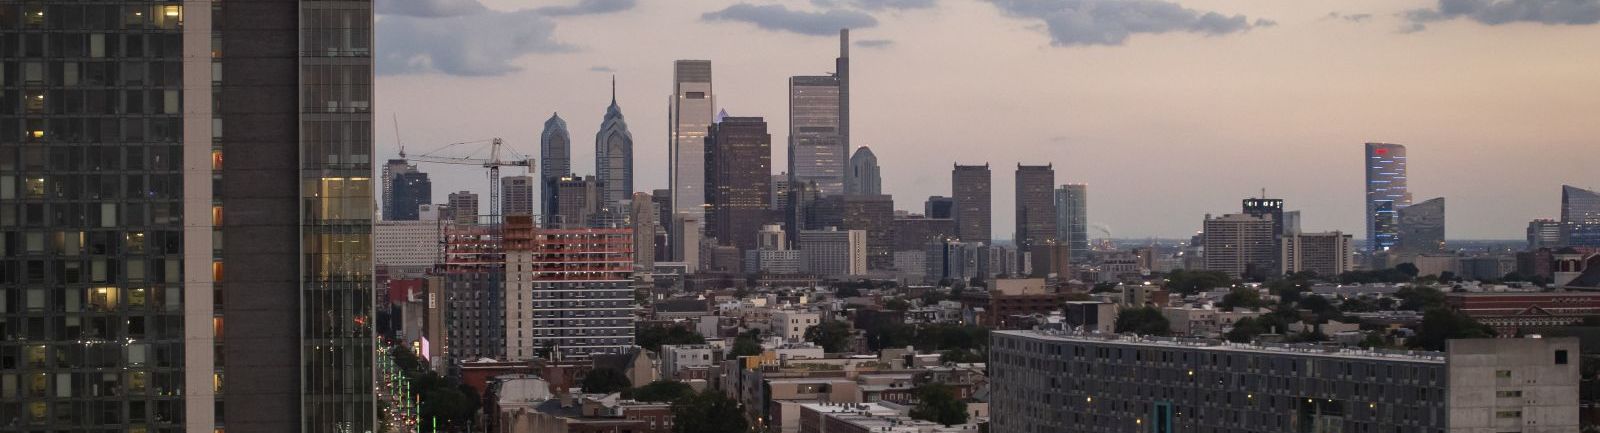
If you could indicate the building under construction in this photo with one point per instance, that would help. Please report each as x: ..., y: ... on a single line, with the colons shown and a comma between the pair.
x: 569, y: 292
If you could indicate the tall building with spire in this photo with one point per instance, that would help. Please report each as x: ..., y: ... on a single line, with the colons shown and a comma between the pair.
x: 689, y: 116
x: 819, y: 125
x: 864, y: 178
x: 613, y: 155
x: 555, y: 163
x: 1386, y: 194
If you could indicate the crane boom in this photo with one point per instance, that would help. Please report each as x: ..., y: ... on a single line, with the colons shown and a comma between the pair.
x: 492, y: 164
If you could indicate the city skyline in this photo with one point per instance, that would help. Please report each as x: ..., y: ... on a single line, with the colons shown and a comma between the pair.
x: 1121, y: 108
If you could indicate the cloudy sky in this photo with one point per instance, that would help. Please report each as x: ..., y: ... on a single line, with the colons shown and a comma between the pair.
x: 1168, y: 109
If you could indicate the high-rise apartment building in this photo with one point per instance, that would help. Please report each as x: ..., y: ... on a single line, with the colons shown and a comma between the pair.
x: 555, y: 163
x: 113, y: 189
x: 613, y: 155
x: 568, y: 291
x: 1543, y: 233
x: 642, y: 217
x: 516, y: 195
x: 689, y: 115
x: 873, y: 214
x: 391, y: 169
x: 1240, y: 245
x: 833, y: 253
x: 1036, y: 207
x: 1273, y: 208
x: 939, y: 207
x: 1580, y: 217
x: 1386, y: 193
x: 1072, y: 220
x: 738, y: 168
x: 819, y: 125
x: 410, y: 191
x: 1039, y: 383
x: 971, y: 191
x: 463, y: 207
x: 863, y: 177
x: 1327, y: 254
x: 1421, y: 227
x: 577, y: 202
x: 474, y: 277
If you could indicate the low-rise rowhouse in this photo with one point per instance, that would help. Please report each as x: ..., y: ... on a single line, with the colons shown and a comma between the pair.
x: 1059, y: 382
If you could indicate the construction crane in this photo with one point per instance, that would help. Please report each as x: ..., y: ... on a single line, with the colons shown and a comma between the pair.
x: 495, y: 160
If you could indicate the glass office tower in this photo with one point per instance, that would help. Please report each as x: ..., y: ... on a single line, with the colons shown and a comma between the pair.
x: 120, y: 216
x: 1386, y: 193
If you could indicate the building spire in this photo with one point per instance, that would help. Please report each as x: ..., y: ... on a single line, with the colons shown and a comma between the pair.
x: 613, y: 89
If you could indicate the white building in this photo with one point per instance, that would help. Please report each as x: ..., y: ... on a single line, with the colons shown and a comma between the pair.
x: 834, y: 253
x: 406, y: 243
x: 1327, y: 254
x: 792, y: 325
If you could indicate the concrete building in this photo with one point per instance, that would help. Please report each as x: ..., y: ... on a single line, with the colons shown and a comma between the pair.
x: 1072, y: 220
x: 1421, y: 227
x: 463, y: 207
x: 913, y: 233
x: 864, y: 177
x: 567, y: 290
x: 516, y: 195
x: 1205, y: 321
x: 1091, y: 316
x: 819, y: 125
x: 678, y: 360
x: 642, y: 214
x: 1513, y: 313
x: 685, y: 240
x: 577, y: 202
x: 873, y: 214
x: 834, y: 253
x: 1544, y: 233
x: 954, y: 260
x: 1386, y: 193
x: 792, y: 325
x: 1239, y: 244
x: 1036, y: 208
x: 689, y: 115
x: 1009, y: 298
x: 738, y: 166
x: 613, y: 155
x: 555, y: 163
x: 407, y: 243
x: 780, y: 193
x: 939, y: 207
x: 972, y: 202
x: 1328, y: 254
x: 1487, y: 385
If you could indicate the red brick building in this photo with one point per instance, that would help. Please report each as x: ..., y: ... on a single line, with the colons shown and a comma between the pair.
x: 1509, y: 313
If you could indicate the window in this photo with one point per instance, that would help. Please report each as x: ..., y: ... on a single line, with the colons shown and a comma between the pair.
x: 1561, y: 357
x: 1507, y: 414
x: 1507, y: 394
x: 1503, y: 374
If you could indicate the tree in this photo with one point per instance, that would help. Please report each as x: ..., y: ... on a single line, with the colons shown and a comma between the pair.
x: 938, y: 403
x: 1245, y: 330
x: 1410, y: 269
x: 892, y: 334
x: 946, y: 336
x: 1357, y: 305
x: 1144, y: 320
x: 660, y: 391
x: 653, y: 336
x: 1191, y: 282
x: 1443, y: 324
x: 847, y: 291
x: 1374, y: 340
x: 1104, y: 287
x: 1241, y: 297
x: 897, y: 305
x: 746, y: 344
x: 832, y: 335
x: 605, y: 381
x: 708, y: 412
x: 1420, y: 298
x: 962, y: 356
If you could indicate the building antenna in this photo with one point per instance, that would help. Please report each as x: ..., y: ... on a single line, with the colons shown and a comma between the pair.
x: 1263, y: 190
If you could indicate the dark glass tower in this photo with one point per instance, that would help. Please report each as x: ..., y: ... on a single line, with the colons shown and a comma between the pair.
x: 555, y: 163
x: 1580, y: 217
x: 971, y: 190
x: 738, y: 172
x: 613, y: 155
x: 120, y: 217
x: 1386, y: 193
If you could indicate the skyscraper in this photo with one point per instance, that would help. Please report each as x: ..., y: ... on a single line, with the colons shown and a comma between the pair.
x: 833, y: 253
x: 873, y: 214
x: 642, y: 217
x: 1327, y: 254
x: 971, y: 191
x: 410, y: 191
x: 1036, y: 206
x: 863, y: 176
x: 1269, y: 207
x: 562, y: 271
x: 780, y: 192
x: 463, y: 207
x: 939, y: 207
x: 1543, y: 233
x: 819, y: 125
x: 1421, y: 227
x: 1580, y: 217
x: 393, y: 168
x: 113, y: 327
x: 689, y: 116
x: 738, y: 169
x: 613, y: 155
x: 1239, y: 245
x: 516, y: 195
x: 555, y: 162
x: 1072, y: 219
x: 578, y: 200
x: 1386, y: 193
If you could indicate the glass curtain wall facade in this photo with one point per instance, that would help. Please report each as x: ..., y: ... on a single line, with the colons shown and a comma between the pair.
x: 1072, y: 219
x: 1386, y: 193
x: 613, y: 155
x: 555, y: 162
x: 815, y: 151
x: 1580, y: 217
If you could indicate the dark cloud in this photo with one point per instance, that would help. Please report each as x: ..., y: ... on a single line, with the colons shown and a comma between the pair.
x: 601, y: 69
x: 874, y: 43
x: 779, y: 18
x: 429, y: 8
x: 1496, y: 12
x: 876, y: 5
x: 470, y: 45
x: 1111, y: 22
x: 589, y: 7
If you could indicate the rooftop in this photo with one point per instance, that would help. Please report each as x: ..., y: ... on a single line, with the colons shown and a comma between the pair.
x: 1201, y: 344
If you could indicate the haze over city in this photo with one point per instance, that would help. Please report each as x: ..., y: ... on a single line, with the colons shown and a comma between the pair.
x: 1166, y: 117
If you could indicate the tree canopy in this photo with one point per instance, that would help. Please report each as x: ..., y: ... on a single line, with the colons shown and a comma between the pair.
x: 937, y: 402
x: 660, y: 391
x: 1190, y: 282
x: 1442, y: 324
x: 605, y: 381
x: 1420, y: 298
x: 746, y: 344
x: 708, y: 412
x: 832, y: 335
x: 1241, y: 297
x: 1143, y: 320
x: 653, y: 336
